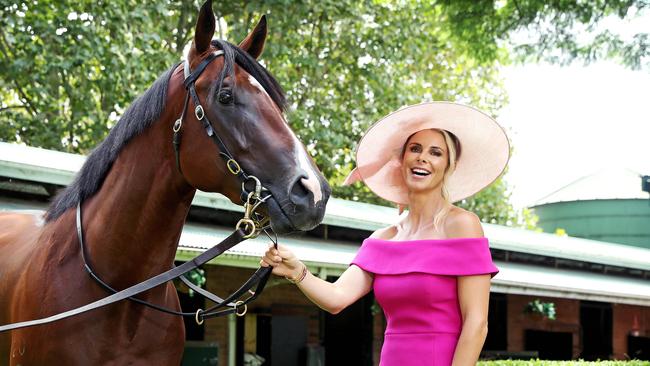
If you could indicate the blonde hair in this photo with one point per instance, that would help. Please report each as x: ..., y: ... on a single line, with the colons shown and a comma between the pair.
x: 453, y: 150
x: 453, y: 154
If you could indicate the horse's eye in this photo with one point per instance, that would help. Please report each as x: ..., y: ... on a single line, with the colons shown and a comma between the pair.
x: 225, y: 97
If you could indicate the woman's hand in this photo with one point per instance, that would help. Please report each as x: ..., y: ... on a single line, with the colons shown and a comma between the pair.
x: 283, y: 261
x: 331, y: 297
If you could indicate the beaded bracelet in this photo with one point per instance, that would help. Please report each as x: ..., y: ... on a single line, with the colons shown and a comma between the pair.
x: 301, y: 277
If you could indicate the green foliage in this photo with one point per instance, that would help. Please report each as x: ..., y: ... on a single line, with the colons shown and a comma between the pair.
x: 560, y: 232
x: 555, y: 31
x: 528, y: 220
x: 197, y: 277
x: 545, y: 309
x: 375, y: 308
x: 562, y: 363
x: 69, y: 69
x: 492, y: 204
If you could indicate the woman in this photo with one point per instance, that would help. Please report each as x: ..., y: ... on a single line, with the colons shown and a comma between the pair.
x: 430, y: 272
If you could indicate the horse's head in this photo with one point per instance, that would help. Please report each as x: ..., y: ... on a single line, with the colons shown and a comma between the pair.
x: 244, y: 105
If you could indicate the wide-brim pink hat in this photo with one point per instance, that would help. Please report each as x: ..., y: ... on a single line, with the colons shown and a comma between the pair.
x: 485, y: 149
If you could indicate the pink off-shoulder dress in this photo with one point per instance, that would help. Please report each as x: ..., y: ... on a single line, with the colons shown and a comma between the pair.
x: 415, y: 284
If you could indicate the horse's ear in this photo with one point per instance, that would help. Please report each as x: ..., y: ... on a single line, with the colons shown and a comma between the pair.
x: 204, y: 28
x: 253, y: 44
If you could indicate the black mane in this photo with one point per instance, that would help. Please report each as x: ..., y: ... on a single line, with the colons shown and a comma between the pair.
x: 145, y: 110
x: 139, y: 116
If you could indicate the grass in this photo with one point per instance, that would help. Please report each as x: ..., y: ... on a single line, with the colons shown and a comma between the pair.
x: 562, y: 363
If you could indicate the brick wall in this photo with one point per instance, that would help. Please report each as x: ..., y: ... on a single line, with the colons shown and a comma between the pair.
x: 626, y: 318
x: 567, y: 320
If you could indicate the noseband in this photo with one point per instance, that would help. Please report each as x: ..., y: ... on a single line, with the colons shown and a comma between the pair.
x: 253, y: 222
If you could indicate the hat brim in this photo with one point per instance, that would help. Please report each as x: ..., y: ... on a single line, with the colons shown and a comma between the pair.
x: 485, y: 149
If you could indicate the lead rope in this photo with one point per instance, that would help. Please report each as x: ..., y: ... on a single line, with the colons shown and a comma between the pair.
x: 234, y: 306
x: 251, y: 224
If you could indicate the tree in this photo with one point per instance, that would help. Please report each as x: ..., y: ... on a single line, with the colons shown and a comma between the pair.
x: 557, y: 31
x: 69, y: 69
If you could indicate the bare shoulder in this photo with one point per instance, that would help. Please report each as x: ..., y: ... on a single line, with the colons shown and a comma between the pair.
x: 461, y: 223
x: 385, y: 233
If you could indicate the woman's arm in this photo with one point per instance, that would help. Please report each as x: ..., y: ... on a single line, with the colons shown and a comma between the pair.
x: 331, y: 297
x: 473, y: 293
x: 474, y: 299
x: 353, y: 284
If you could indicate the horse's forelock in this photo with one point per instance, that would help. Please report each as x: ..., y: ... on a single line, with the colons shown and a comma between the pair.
x: 234, y: 54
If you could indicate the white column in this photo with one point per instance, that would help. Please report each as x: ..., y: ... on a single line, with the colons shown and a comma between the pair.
x: 232, y: 339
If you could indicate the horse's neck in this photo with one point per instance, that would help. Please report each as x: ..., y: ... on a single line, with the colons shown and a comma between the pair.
x: 133, y: 223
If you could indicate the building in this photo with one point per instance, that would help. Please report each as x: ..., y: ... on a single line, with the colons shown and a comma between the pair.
x: 601, y: 290
x: 609, y: 205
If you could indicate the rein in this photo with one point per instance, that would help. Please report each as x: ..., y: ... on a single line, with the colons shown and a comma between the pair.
x: 250, y: 226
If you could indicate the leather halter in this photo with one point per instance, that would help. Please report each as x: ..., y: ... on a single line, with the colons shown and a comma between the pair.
x: 251, y: 200
x: 250, y: 226
x: 253, y: 223
x: 199, y: 112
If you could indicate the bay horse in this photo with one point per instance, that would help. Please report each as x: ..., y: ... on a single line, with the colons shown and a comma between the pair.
x: 136, y: 195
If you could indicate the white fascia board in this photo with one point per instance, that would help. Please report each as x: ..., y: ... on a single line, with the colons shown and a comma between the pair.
x: 523, y: 279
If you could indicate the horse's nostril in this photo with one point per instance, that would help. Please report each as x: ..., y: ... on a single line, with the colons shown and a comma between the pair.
x: 299, y: 191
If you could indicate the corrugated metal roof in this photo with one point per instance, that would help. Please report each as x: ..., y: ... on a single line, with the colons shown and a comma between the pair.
x: 315, y: 252
x: 38, y: 165
x: 512, y: 278
x: 551, y: 245
x: 325, y: 257
x: 614, y: 183
x: 522, y: 279
x: 54, y: 167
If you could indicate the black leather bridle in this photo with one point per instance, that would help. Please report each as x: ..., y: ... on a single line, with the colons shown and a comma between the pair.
x: 250, y: 226
x: 252, y: 222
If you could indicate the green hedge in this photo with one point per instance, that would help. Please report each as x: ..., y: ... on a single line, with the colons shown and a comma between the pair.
x: 562, y: 363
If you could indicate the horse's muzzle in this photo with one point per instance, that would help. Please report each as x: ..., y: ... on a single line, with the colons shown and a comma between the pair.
x: 296, y: 208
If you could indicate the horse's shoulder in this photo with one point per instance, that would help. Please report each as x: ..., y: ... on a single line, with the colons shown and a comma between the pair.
x: 19, y: 227
x: 20, y: 220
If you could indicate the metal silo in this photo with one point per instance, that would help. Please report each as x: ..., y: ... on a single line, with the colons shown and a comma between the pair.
x: 610, y: 205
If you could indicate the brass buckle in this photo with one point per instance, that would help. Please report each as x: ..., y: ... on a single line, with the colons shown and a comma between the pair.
x: 233, y: 166
x: 258, y: 186
x: 249, y: 228
x: 196, y: 317
x: 177, y: 125
x: 199, y: 112
x: 248, y: 206
x: 261, y: 220
x: 237, y: 304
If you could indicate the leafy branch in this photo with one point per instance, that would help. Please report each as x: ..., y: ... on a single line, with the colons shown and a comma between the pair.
x: 545, y: 309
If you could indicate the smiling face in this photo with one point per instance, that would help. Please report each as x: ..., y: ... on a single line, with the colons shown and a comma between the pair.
x: 425, y: 161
